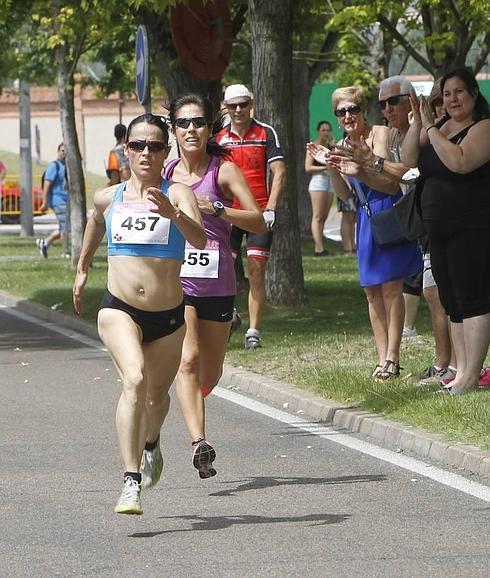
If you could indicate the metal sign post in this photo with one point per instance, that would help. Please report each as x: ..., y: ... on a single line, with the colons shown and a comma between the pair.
x: 143, y: 89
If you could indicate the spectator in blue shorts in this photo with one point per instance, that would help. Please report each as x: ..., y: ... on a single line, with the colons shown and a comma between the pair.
x: 55, y: 193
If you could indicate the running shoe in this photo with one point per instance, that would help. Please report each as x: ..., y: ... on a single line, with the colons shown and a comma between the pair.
x: 428, y: 372
x: 252, y: 339
x: 203, y: 458
x: 151, y: 467
x: 43, y: 247
x: 407, y: 332
x: 442, y: 376
x: 130, y: 501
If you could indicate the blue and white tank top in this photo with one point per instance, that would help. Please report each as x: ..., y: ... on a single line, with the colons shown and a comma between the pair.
x: 133, y: 230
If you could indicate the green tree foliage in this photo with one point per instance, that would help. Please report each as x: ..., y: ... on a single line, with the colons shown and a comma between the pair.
x: 438, y: 34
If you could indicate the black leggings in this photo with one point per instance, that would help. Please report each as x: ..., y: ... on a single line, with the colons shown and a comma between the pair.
x: 461, y: 268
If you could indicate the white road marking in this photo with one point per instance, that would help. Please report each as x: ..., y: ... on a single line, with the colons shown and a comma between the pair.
x: 449, y: 479
x: 326, y: 432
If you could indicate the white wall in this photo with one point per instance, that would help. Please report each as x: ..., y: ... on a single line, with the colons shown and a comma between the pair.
x: 99, y: 138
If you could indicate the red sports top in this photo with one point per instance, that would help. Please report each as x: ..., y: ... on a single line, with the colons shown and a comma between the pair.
x: 252, y: 153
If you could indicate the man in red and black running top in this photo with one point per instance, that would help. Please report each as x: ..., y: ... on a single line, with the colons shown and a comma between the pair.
x: 255, y: 148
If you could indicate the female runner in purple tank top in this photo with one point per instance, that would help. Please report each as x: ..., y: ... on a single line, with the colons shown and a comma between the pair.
x: 208, y: 277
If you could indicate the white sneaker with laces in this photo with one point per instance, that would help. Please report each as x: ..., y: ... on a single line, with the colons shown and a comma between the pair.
x: 252, y: 339
x: 130, y: 501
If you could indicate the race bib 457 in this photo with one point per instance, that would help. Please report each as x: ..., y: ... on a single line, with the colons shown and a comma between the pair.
x: 133, y: 223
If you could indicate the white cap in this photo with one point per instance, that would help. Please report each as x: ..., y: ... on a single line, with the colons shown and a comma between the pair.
x: 236, y: 91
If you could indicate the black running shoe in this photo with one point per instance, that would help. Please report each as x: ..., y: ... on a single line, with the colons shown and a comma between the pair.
x: 203, y: 458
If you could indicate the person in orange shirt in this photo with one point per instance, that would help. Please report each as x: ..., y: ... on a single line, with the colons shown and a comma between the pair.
x: 118, y: 165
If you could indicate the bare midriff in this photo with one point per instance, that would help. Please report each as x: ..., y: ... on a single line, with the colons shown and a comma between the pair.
x: 147, y: 283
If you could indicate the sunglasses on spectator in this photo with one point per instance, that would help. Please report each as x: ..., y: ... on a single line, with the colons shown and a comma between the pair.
x: 154, y: 146
x: 234, y: 105
x: 197, y: 122
x: 350, y: 109
x: 392, y: 100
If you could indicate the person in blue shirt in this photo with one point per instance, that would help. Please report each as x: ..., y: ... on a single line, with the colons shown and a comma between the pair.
x: 55, y: 193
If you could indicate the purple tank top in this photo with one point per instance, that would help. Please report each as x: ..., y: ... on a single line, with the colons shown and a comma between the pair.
x: 210, y: 272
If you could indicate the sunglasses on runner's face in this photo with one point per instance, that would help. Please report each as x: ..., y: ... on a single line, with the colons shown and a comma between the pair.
x: 350, y: 109
x: 154, y: 146
x: 197, y: 122
x: 392, y: 101
x: 234, y: 105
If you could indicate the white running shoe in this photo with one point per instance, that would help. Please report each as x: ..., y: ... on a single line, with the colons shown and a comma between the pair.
x: 407, y: 332
x: 130, y: 501
x: 43, y: 247
x: 252, y: 339
x: 151, y: 467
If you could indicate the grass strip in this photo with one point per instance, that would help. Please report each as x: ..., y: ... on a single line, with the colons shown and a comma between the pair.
x: 325, y: 345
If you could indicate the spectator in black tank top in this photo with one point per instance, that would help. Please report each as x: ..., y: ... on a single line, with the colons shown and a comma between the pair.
x: 453, y: 157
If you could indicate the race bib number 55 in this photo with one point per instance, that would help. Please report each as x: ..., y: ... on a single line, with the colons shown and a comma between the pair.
x: 201, y: 263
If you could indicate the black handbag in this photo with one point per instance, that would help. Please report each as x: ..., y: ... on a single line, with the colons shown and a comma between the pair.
x: 409, y: 215
x: 387, y: 229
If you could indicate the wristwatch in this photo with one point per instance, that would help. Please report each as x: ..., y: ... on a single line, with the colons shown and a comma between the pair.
x: 218, y: 208
x: 378, y: 164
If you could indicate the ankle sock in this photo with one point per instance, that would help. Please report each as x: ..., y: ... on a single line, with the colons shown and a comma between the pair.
x: 149, y: 446
x: 135, y: 475
x: 252, y: 332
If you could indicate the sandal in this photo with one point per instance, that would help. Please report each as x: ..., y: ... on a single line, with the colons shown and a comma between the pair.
x: 390, y: 369
x: 377, y: 370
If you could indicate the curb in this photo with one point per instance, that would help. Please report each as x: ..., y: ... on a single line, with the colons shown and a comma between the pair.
x: 398, y: 436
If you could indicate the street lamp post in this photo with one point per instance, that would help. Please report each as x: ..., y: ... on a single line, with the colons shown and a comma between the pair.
x: 26, y: 218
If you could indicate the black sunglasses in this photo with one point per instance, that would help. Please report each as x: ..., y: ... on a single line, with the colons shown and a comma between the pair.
x: 234, y: 105
x: 350, y: 109
x: 197, y: 122
x: 154, y: 146
x: 392, y: 101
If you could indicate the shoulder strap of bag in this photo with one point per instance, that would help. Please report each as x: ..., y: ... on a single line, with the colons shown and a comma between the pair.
x: 361, y: 196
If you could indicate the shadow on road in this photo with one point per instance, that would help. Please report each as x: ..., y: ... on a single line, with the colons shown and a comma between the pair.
x: 273, y: 482
x: 224, y: 522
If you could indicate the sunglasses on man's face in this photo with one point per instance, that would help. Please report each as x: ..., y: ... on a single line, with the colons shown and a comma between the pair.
x: 350, y: 109
x: 197, y: 122
x: 234, y: 105
x: 154, y: 146
x: 392, y: 101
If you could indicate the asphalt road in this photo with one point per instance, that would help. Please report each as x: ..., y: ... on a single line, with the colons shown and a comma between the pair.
x: 285, y: 502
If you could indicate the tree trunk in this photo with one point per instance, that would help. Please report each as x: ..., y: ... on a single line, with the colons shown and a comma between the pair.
x: 76, y: 194
x: 271, y: 25
x: 301, y: 101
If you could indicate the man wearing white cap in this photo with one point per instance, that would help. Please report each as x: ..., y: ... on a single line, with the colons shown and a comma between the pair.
x: 254, y: 147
